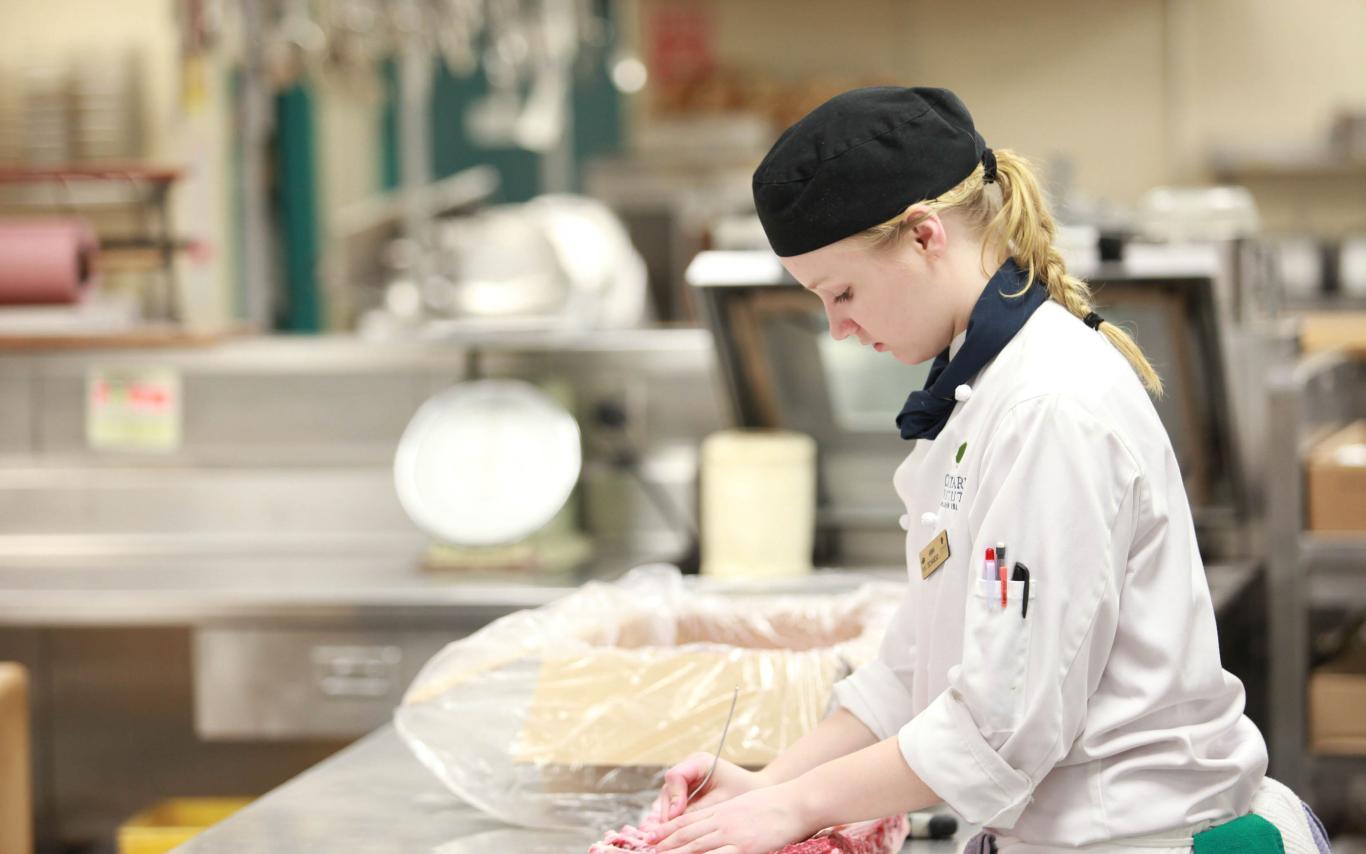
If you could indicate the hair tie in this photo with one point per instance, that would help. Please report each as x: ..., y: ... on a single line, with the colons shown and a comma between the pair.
x: 1093, y: 320
x: 988, y: 166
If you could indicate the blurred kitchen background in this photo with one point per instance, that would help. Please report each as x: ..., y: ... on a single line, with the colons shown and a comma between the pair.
x: 243, y: 241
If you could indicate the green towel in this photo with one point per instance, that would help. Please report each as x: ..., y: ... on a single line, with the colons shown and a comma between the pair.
x: 1249, y: 834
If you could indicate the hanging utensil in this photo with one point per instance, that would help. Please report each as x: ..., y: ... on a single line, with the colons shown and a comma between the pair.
x: 296, y: 45
x: 459, y: 26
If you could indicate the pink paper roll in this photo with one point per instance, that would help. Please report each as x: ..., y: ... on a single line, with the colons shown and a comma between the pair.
x: 47, y: 261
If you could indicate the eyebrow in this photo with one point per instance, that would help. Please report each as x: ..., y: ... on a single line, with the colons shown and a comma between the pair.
x: 816, y: 284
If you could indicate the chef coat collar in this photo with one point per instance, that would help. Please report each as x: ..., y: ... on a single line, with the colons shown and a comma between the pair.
x: 995, y: 319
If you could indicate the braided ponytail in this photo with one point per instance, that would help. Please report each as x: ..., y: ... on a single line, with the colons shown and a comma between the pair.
x: 1025, y: 221
x: 1018, y: 219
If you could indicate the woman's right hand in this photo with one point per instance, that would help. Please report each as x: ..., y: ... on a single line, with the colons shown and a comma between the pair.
x: 726, y: 782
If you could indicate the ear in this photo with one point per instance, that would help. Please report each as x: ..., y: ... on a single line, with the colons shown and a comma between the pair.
x: 924, y: 226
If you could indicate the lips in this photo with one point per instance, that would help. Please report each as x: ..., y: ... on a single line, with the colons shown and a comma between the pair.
x: 879, y: 346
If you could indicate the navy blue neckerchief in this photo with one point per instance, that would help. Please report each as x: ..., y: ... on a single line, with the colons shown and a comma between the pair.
x: 995, y: 319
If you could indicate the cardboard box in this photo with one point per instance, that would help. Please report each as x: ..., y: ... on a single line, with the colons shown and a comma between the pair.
x: 16, y: 784
x: 1337, y: 704
x: 1337, y: 330
x: 568, y: 714
x: 613, y: 719
x: 679, y: 701
x: 1336, y: 481
x: 784, y: 662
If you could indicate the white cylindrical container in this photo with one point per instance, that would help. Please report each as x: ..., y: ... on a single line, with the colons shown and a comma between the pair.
x: 758, y: 503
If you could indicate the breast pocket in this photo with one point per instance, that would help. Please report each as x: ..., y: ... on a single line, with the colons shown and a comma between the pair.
x: 996, y: 653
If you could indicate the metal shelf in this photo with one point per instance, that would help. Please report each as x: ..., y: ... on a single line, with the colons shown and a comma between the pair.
x: 1336, y: 565
x: 76, y: 189
x: 1304, y: 569
x: 1320, y: 164
x: 1322, y: 761
x: 1335, y: 552
x: 82, y: 186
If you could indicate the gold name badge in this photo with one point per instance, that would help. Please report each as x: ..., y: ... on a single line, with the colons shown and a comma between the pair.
x: 934, y: 555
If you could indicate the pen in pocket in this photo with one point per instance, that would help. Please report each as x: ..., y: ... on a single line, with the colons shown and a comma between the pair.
x: 1001, y: 570
x: 1022, y: 574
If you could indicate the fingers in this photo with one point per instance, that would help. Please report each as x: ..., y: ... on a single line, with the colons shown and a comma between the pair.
x: 675, y: 792
x: 666, y: 832
x: 703, y: 844
x: 689, y: 839
x: 679, y: 780
x: 673, y: 799
x: 660, y: 807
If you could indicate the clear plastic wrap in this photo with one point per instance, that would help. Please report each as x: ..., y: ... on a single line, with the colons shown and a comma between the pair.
x: 568, y: 715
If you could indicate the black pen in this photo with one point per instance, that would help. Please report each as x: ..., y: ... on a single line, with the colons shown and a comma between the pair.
x: 1022, y: 574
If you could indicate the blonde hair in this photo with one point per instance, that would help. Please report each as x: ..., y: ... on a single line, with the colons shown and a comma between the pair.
x: 1017, y: 220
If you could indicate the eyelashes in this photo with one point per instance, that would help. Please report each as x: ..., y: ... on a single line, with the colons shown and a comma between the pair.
x: 844, y: 297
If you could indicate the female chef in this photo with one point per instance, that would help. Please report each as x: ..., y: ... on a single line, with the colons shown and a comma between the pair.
x: 1085, y: 707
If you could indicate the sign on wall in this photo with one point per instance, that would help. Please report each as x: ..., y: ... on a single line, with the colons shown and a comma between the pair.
x: 133, y: 408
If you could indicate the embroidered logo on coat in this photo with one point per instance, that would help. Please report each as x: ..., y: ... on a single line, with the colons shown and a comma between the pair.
x: 961, y: 448
x: 954, y: 484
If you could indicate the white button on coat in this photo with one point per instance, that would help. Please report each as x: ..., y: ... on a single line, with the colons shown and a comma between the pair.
x: 904, y: 522
x: 962, y: 393
x: 929, y: 520
x: 1113, y: 680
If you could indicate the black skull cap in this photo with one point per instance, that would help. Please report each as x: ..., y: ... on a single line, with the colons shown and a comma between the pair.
x: 862, y: 158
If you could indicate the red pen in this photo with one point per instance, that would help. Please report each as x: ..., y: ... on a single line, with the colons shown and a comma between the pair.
x: 1001, y: 570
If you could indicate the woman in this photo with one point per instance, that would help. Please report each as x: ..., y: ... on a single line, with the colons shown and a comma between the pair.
x: 1085, y: 707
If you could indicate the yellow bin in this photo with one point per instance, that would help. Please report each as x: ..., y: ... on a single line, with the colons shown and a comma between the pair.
x: 173, y: 822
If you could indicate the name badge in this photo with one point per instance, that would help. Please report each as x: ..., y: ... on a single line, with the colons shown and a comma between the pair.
x: 934, y: 555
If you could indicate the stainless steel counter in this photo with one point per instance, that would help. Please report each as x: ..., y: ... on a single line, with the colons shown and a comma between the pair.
x: 371, y: 798
x: 126, y: 651
x: 182, y: 590
x: 188, y: 590
x: 374, y: 798
x: 205, y: 672
x: 102, y: 591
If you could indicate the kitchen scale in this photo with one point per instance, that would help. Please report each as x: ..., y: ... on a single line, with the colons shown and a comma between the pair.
x: 485, y: 468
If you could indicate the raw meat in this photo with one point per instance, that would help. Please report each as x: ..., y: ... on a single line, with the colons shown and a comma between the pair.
x: 883, y: 836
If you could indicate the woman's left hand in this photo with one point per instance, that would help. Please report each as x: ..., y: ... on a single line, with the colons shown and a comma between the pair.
x: 756, y: 822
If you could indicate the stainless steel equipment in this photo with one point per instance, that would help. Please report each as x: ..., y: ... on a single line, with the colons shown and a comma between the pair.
x: 219, y: 615
x: 672, y: 191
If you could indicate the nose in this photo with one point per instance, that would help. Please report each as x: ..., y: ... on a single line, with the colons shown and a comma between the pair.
x: 840, y: 327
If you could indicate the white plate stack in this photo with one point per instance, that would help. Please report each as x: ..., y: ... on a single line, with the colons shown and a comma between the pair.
x: 11, y: 108
x: 46, y: 113
x: 105, y: 106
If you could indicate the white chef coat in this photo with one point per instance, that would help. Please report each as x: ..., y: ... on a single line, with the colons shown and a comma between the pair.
x: 1105, y: 713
